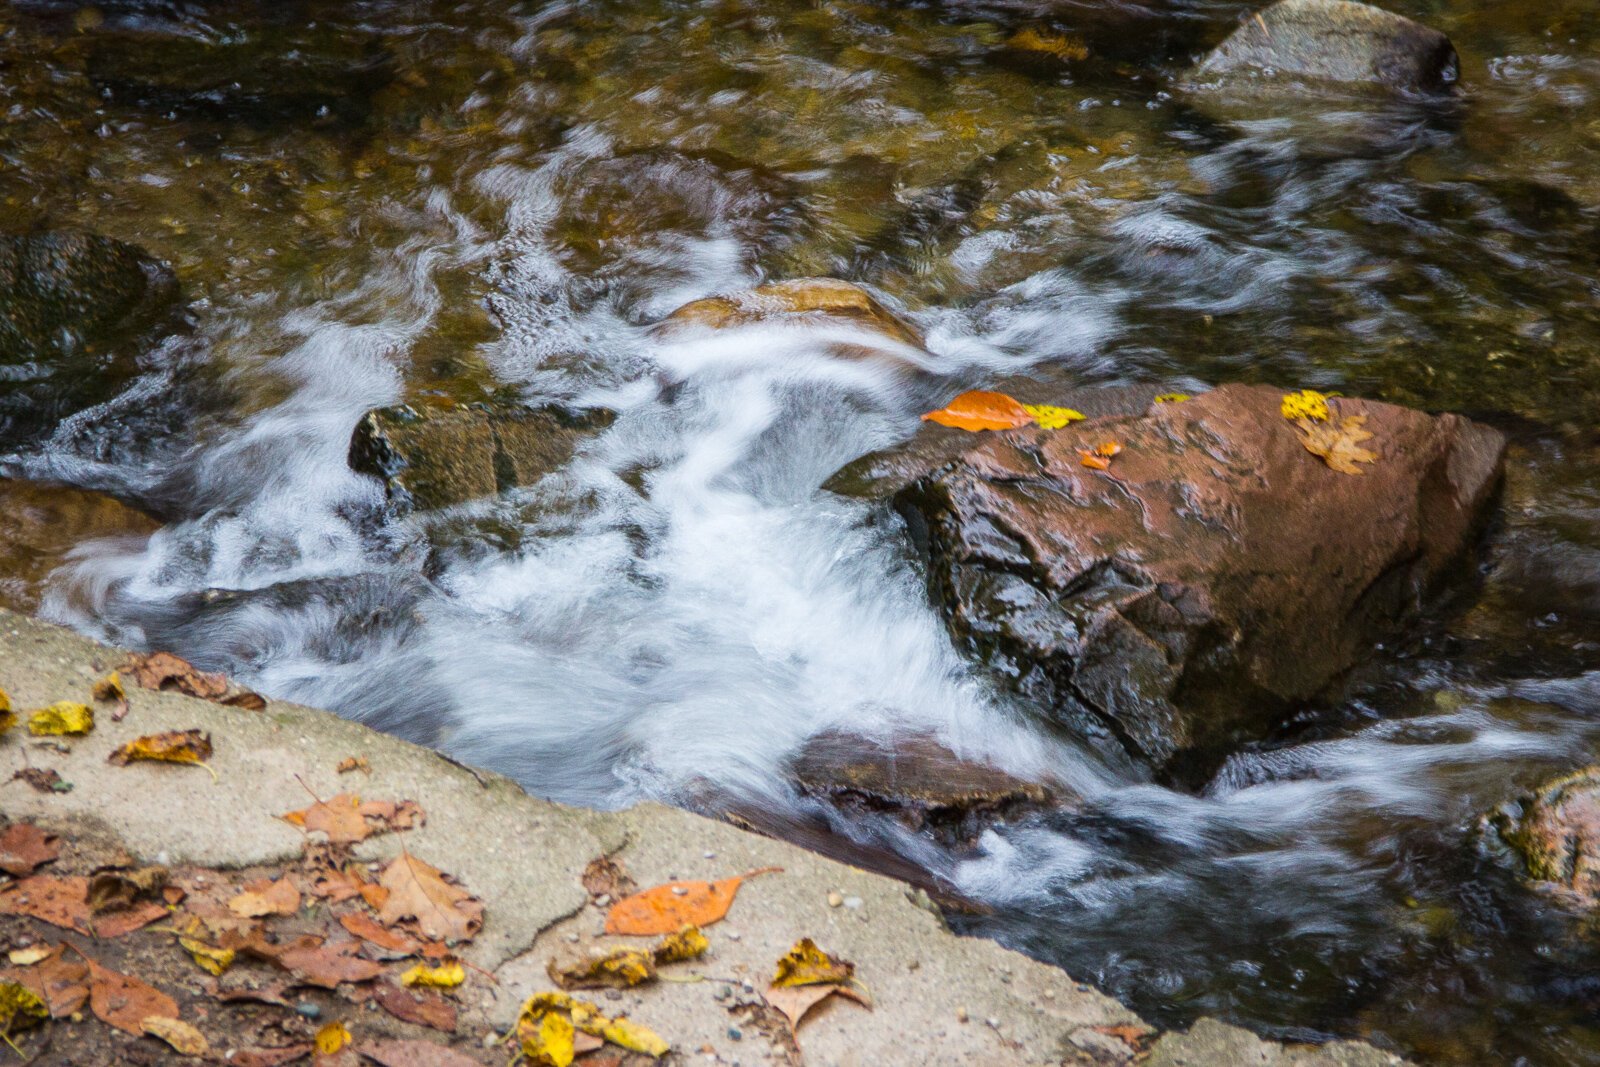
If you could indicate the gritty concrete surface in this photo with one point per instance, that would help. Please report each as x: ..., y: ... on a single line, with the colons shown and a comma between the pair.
x: 940, y: 999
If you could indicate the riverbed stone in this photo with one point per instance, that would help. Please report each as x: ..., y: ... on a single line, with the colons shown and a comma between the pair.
x: 432, y: 457
x: 1336, y: 41
x: 915, y: 778
x: 1214, y: 576
x: 798, y: 301
x: 1554, y: 831
x: 40, y: 524
x: 74, y: 309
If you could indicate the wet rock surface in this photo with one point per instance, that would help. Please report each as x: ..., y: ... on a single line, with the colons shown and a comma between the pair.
x: 41, y: 524
x: 915, y: 778
x: 1554, y: 833
x: 1215, y: 575
x: 434, y: 457
x: 1337, y: 41
x: 74, y: 309
x: 800, y: 301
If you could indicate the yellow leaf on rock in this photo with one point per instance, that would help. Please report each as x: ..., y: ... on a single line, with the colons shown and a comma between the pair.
x: 806, y: 964
x: 65, y: 717
x: 110, y: 688
x: 1053, y: 418
x: 1172, y: 398
x: 332, y: 1038
x: 184, y: 1038
x: 445, y: 976
x: 687, y: 944
x: 174, y: 746
x: 1306, y: 404
x: 548, y: 1041
x: 20, y: 1008
x: 1338, y: 445
x: 635, y: 1038
x: 214, y: 960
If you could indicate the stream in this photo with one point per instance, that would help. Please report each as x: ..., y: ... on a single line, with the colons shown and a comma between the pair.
x: 373, y: 201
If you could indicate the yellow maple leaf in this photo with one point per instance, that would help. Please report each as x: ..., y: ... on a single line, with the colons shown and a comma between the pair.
x: 1053, y: 418
x: 61, y: 718
x: 1305, y: 404
x: 445, y: 976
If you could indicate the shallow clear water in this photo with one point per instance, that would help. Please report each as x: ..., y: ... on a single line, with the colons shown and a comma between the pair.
x: 370, y: 202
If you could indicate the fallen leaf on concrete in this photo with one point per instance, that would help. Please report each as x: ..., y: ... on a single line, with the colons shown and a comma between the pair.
x: 606, y: 877
x: 1135, y: 1036
x: 118, y: 923
x: 796, y: 1002
x: 667, y: 908
x: 1305, y: 404
x: 24, y: 848
x: 354, y: 763
x: 620, y: 969
x: 419, y: 893
x: 1053, y: 418
x: 445, y: 976
x: 42, y: 781
x: 184, y: 1039
x: 422, y: 1007
x: 8, y: 718
x: 547, y: 1040
x: 57, y: 901
x: 806, y: 977
x: 125, y: 1002
x: 316, y: 963
x: 174, y: 746
x: 27, y: 957
x: 112, y: 890
x: 20, y: 1008
x: 58, y: 982
x: 64, y: 718
x: 687, y: 944
x: 346, y: 819
x: 108, y: 690
x: 414, y: 1054
x: 208, y: 957
x: 332, y: 1037
x: 535, y: 1029
x: 269, y: 1057
x: 1338, y: 444
x: 981, y: 410
x: 265, y: 897
x: 244, y: 698
x: 163, y: 670
x: 369, y: 930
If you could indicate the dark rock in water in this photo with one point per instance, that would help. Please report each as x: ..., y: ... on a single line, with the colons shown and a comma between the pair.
x: 435, y: 457
x: 40, y: 524
x: 1215, y: 574
x: 74, y: 310
x: 915, y: 778
x: 800, y: 300
x: 1337, y: 40
x: 1554, y: 832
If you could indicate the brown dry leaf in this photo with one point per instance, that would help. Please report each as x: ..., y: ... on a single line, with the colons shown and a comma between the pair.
x: 795, y: 1002
x: 125, y: 1002
x: 64, y: 718
x: 264, y: 897
x: 184, y: 1039
x: 416, y: 1054
x: 981, y: 410
x: 42, y: 781
x: 1338, y: 443
x: 244, y: 698
x: 620, y: 969
x: 328, y: 966
x: 113, y: 890
x: 606, y: 877
x: 174, y: 746
x: 118, y: 923
x: 108, y: 690
x: 1134, y: 1036
x: 24, y: 848
x: 368, y: 929
x: 687, y: 944
x: 667, y: 908
x: 346, y: 819
x: 163, y: 670
x: 422, y: 1007
x: 57, y: 981
x: 354, y: 763
x: 269, y: 1057
x: 417, y: 891
x: 57, y: 901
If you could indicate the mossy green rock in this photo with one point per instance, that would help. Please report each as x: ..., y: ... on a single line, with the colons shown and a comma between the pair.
x: 1555, y: 832
x: 75, y: 309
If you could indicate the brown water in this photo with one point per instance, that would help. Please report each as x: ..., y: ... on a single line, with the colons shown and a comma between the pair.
x: 375, y: 201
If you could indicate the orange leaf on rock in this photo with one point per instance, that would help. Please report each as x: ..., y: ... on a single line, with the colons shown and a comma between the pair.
x: 981, y: 410
x: 346, y: 819
x: 117, y: 923
x: 263, y: 897
x: 419, y: 892
x: 668, y: 908
x: 24, y: 848
x: 125, y: 1002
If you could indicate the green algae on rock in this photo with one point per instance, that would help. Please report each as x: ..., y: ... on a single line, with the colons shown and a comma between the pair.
x: 1555, y: 832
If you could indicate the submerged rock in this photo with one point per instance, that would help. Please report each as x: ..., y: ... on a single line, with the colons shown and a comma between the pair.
x: 434, y: 457
x: 1555, y: 834
x: 74, y: 311
x: 1217, y: 573
x: 916, y: 779
x: 1336, y: 40
x: 800, y: 300
x: 40, y: 524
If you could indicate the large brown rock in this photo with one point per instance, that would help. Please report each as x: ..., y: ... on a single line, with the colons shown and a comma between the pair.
x: 1338, y: 41
x: 40, y: 524
x: 1216, y: 574
x: 799, y: 300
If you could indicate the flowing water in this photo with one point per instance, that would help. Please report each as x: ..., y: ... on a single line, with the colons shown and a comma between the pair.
x: 378, y: 201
